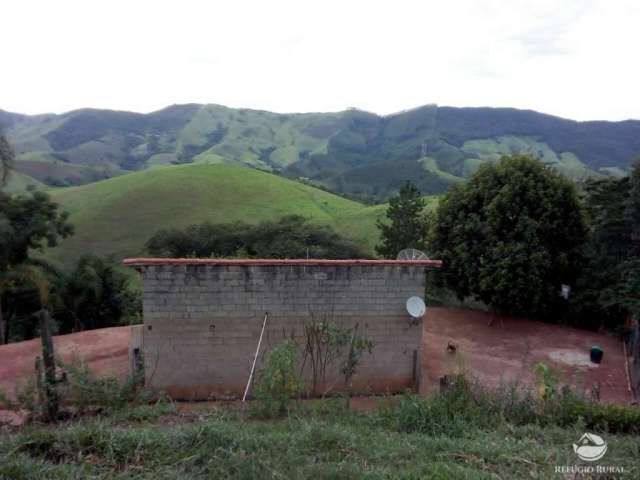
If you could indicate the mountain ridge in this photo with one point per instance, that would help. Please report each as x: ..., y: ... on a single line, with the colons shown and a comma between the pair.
x: 352, y: 152
x: 314, y: 112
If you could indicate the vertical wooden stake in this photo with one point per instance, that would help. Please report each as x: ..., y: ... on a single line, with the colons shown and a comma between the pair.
x: 2, y: 340
x: 51, y: 396
x: 414, y: 374
x: 40, y: 381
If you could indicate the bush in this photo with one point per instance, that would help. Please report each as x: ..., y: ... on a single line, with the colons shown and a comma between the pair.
x: 448, y: 413
x: 466, y: 406
x: 290, y: 237
x: 327, y: 345
x: 98, y: 293
x: 81, y: 391
x: 279, y: 382
x: 597, y: 416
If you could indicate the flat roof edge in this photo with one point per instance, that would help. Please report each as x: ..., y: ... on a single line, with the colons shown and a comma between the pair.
x: 141, y: 262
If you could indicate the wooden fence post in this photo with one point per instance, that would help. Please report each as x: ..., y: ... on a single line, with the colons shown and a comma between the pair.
x: 48, y: 359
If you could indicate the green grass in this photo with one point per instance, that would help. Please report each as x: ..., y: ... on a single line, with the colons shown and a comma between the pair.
x: 317, y: 443
x: 249, y: 133
x: 431, y: 165
x: 464, y: 432
x: 492, y: 149
x: 117, y: 216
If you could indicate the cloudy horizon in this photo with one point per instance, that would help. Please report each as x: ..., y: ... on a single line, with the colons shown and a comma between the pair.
x: 574, y: 59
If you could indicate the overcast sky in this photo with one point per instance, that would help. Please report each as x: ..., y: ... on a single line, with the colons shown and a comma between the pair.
x: 577, y: 59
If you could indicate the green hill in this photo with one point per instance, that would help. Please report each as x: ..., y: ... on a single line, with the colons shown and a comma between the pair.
x: 356, y: 153
x: 117, y: 216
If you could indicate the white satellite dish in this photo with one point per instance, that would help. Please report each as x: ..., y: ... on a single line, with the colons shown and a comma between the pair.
x: 411, y: 254
x: 416, y: 307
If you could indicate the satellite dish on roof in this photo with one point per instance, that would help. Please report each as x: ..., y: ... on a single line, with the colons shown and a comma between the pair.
x: 411, y: 254
x: 416, y: 307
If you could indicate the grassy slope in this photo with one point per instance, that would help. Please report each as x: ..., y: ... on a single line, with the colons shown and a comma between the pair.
x: 118, y: 215
x: 248, y: 132
x: 492, y: 149
x: 308, y: 444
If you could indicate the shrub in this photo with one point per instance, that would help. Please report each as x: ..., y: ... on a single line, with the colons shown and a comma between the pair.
x: 289, y: 237
x: 597, y: 416
x: 81, y: 391
x: 4, y: 400
x: 466, y: 406
x: 327, y: 345
x: 547, y: 381
x: 278, y: 382
x: 447, y: 413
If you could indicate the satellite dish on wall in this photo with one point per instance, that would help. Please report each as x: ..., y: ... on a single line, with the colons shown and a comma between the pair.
x: 416, y: 307
x: 411, y: 254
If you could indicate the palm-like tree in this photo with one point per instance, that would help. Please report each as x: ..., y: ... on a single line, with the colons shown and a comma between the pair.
x: 32, y: 273
x: 7, y: 157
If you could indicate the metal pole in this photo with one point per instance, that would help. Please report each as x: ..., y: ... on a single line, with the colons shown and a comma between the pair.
x: 255, y: 358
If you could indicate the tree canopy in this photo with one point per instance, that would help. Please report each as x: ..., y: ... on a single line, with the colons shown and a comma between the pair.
x: 95, y: 294
x: 511, y: 236
x: 408, y: 224
x: 29, y: 222
x: 7, y: 157
x: 290, y: 237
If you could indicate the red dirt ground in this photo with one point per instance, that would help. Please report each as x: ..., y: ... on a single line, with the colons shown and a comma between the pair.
x: 506, y: 351
x: 510, y: 348
x: 104, y: 350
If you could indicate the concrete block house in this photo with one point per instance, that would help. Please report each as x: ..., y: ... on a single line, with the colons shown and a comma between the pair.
x: 203, y: 318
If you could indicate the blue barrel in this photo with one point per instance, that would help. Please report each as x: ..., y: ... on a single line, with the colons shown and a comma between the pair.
x: 596, y: 354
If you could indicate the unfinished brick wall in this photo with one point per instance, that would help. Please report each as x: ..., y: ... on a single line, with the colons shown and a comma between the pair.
x: 202, y: 319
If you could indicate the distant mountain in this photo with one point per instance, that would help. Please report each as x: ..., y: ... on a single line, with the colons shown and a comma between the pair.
x: 352, y: 152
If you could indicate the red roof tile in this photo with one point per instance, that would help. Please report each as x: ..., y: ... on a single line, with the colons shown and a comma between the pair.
x: 134, y: 262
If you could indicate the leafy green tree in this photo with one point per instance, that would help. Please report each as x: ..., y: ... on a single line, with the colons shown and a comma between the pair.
x: 408, y: 225
x: 632, y: 210
x: 7, y: 158
x: 608, y: 288
x: 290, y: 237
x: 24, y: 290
x: 27, y: 223
x: 96, y: 294
x: 631, y: 287
x: 511, y: 236
x: 597, y: 299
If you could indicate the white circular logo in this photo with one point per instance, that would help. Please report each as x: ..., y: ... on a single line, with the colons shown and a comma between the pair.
x: 590, y: 447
